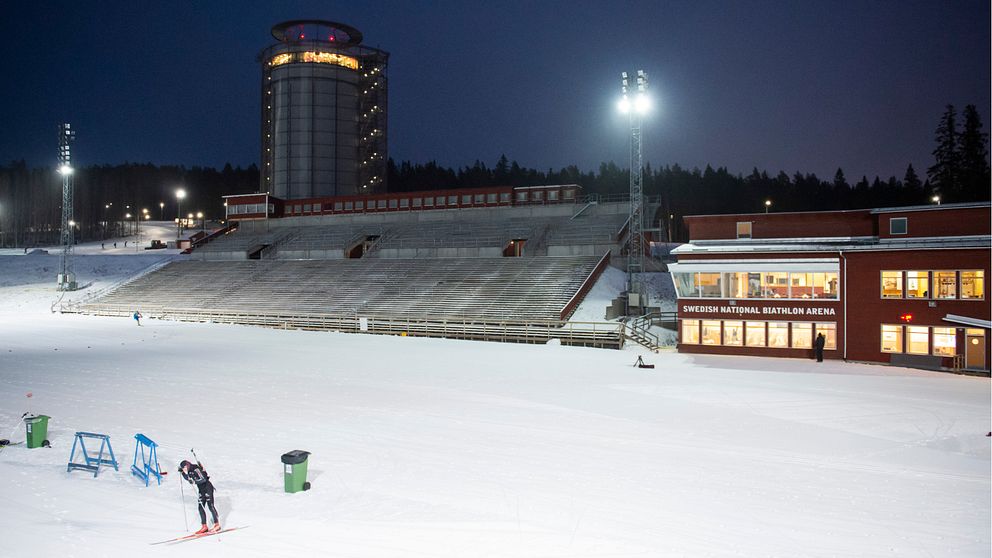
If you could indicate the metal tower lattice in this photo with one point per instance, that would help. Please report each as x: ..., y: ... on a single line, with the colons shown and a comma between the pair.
x: 66, y: 278
x: 635, y: 255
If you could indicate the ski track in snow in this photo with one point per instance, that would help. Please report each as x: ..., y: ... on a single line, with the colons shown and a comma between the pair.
x: 448, y: 448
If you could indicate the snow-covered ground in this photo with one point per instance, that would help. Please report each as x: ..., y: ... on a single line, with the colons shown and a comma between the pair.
x: 446, y: 448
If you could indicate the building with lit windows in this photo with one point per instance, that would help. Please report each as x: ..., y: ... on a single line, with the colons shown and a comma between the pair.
x: 905, y: 286
x: 324, y: 112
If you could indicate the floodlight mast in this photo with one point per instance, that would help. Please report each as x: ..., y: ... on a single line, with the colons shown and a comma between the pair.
x: 635, y: 109
x: 66, y: 278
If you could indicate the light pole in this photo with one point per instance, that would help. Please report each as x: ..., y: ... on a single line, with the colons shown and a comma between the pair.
x: 635, y: 103
x: 180, y: 194
x: 768, y: 203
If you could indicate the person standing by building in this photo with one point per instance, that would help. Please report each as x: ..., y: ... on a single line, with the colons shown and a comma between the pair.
x: 137, y: 317
x: 818, y: 346
x: 197, y: 475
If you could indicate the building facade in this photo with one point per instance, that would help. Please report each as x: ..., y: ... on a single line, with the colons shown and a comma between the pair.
x: 905, y: 286
x: 324, y: 108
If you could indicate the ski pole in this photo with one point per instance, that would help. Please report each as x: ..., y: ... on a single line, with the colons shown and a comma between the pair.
x: 182, y: 495
x: 195, y: 457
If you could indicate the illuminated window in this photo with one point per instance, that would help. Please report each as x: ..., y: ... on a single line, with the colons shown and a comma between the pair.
x: 417, y: 202
x: 801, y: 285
x: 744, y: 229
x: 891, y: 339
x: 734, y: 284
x: 733, y: 333
x: 280, y: 59
x: 467, y: 199
x: 711, y: 332
x: 709, y: 284
x: 379, y: 204
x: 754, y: 285
x: 944, y: 341
x: 973, y: 284
x: 945, y: 284
x: 891, y: 284
x: 802, y: 336
x: 685, y: 284
x: 452, y: 200
x: 755, y: 334
x: 917, y: 284
x: 828, y: 287
x: 898, y: 225
x: 778, y: 334
x: 429, y: 201
x: 775, y: 284
x: 690, y: 332
x: 917, y: 340
x: 829, y: 331
x: 404, y: 203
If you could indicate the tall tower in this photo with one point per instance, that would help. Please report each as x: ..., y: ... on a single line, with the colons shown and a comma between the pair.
x: 323, y: 112
x: 66, y: 278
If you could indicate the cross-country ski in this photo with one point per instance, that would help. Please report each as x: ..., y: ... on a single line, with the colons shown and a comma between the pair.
x: 195, y: 536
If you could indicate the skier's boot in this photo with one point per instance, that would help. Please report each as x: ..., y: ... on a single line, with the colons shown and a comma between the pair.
x: 202, y: 530
x: 215, y: 528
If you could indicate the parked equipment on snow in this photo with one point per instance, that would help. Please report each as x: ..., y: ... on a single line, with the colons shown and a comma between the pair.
x: 148, y: 467
x: 295, y: 470
x: 91, y: 464
x: 36, y: 427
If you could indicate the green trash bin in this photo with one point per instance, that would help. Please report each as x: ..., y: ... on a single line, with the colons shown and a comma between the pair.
x: 37, y: 430
x: 294, y: 465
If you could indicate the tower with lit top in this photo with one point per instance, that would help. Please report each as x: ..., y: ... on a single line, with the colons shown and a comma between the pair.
x: 324, y: 106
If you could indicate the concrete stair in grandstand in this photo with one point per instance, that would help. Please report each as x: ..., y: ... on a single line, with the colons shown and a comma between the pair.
x: 490, y: 289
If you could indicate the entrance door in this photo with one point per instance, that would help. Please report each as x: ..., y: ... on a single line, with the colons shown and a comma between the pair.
x: 974, y: 351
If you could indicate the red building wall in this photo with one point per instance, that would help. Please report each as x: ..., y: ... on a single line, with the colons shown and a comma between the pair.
x: 783, y: 225
x: 960, y: 222
x: 867, y: 310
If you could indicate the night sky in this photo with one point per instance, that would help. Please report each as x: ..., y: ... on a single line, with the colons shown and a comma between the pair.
x: 805, y: 86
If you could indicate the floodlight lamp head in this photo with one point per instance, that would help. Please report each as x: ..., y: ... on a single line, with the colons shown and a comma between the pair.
x: 180, y: 193
x: 65, y: 170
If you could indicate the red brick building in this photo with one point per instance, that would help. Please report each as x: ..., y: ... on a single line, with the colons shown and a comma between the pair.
x: 906, y: 285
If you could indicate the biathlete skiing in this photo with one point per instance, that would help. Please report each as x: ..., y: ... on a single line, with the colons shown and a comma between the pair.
x: 196, y: 474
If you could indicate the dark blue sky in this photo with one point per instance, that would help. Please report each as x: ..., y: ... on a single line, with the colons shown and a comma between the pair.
x: 785, y: 85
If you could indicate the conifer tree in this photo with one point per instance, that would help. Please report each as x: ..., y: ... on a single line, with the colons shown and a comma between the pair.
x: 945, y: 172
x: 973, y: 149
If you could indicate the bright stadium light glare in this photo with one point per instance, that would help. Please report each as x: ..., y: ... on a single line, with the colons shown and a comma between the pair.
x: 642, y: 104
x: 65, y: 170
x: 180, y: 193
x: 624, y: 104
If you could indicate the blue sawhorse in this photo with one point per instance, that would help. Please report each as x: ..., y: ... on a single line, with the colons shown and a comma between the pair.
x: 148, y: 467
x: 92, y: 463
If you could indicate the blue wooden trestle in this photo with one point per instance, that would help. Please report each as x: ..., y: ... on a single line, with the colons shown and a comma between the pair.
x: 148, y: 466
x: 90, y: 463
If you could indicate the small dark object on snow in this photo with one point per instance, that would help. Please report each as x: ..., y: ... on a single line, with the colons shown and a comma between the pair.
x: 640, y: 363
x: 46, y: 444
x: 4, y: 442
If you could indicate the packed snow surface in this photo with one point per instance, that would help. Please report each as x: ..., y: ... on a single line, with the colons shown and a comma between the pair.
x: 446, y: 448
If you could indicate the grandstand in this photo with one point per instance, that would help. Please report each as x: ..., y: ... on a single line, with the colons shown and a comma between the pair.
x: 507, y: 274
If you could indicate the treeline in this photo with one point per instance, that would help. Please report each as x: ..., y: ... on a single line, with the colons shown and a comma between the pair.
x: 30, y: 199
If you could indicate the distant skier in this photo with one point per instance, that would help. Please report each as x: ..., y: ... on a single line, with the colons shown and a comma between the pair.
x: 137, y: 317
x: 196, y: 474
x: 818, y: 346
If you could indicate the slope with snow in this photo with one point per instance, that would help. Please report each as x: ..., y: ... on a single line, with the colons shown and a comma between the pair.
x: 434, y: 447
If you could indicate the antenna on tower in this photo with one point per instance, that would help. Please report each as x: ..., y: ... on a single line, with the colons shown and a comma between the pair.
x: 66, y: 278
